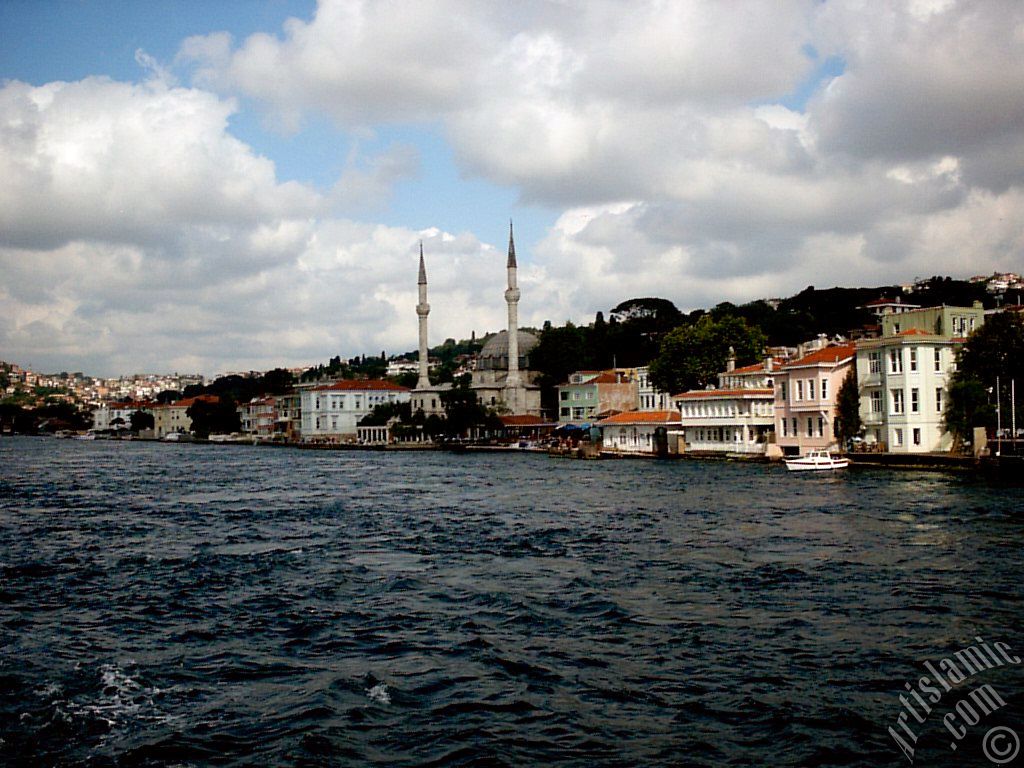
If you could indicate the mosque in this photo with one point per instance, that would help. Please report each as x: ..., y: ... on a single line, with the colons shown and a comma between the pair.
x: 502, y: 379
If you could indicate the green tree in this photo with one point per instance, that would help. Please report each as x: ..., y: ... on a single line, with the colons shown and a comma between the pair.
x: 691, y: 356
x: 462, y: 408
x: 383, y: 413
x: 847, y: 423
x: 168, y: 396
x: 214, y: 416
x: 141, y: 420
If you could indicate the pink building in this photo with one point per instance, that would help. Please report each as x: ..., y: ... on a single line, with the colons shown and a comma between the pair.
x: 805, y: 398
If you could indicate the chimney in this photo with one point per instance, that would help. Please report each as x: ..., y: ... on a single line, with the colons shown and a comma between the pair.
x: 768, y: 363
x: 730, y: 363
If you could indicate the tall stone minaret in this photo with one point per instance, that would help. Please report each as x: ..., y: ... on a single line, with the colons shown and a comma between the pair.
x: 423, y: 309
x: 513, y: 384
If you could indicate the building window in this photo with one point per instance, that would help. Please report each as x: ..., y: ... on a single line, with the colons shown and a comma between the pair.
x: 895, y: 361
x: 897, y: 437
x: 795, y: 433
x: 913, y: 359
x: 938, y: 399
x: 821, y: 426
x: 782, y: 391
x: 565, y: 412
x: 874, y: 362
x: 824, y: 389
x: 876, y: 401
x: 785, y: 430
x: 915, y: 401
x: 917, y: 436
x: 799, y: 389
x: 897, y: 400
x: 565, y: 395
x: 810, y: 389
x: 810, y: 427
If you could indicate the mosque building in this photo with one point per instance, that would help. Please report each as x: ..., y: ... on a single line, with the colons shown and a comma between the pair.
x: 502, y: 379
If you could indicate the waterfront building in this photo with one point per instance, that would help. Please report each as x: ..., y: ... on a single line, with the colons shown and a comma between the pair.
x: 288, y: 415
x: 502, y: 378
x: 113, y: 415
x: 903, y: 377
x: 173, y: 417
x: 258, y: 416
x: 736, y: 417
x: 637, y: 431
x: 331, y: 412
x: 805, y: 398
x: 589, y: 395
x: 649, y: 397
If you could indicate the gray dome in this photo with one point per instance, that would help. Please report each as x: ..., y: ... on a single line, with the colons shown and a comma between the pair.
x: 494, y: 355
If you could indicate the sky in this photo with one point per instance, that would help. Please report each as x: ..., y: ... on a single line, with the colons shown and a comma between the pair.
x: 209, y: 187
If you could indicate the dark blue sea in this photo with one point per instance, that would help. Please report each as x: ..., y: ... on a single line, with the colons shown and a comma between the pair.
x: 188, y: 605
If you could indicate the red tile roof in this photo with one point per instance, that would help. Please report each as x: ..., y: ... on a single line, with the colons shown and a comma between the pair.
x: 359, y: 385
x: 755, y: 368
x: 188, y: 402
x: 833, y: 354
x: 642, y: 417
x: 914, y: 332
x: 698, y: 394
x: 522, y: 420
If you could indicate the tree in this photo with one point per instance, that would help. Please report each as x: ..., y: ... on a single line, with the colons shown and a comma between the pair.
x: 994, y: 351
x: 168, y: 396
x: 847, y: 423
x: 141, y: 420
x: 691, y: 356
x: 213, y: 415
x: 462, y: 408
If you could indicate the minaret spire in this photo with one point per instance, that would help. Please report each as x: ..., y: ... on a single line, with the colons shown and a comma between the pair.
x: 511, y: 247
x: 423, y: 309
x: 513, y: 385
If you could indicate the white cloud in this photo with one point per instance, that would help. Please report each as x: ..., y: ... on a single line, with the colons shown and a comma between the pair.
x: 136, y: 233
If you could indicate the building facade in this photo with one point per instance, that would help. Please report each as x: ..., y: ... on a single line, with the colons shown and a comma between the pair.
x: 903, y: 383
x: 738, y: 417
x: 331, y: 412
x: 649, y: 397
x: 173, y: 417
x: 637, y: 431
x: 589, y: 394
x: 805, y: 398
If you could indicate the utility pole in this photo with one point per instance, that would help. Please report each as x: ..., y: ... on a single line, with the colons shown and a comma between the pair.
x: 999, y: 422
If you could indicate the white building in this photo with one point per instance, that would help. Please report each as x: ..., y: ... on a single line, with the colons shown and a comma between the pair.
x: 649, y: 397
x: 636, y: 431
x: 114, y: 415
x: 738, y: 417
x: 331, y: 412
x: 903, y: 377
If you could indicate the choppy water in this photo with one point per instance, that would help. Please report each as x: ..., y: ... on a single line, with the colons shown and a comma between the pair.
x: 190, y: 605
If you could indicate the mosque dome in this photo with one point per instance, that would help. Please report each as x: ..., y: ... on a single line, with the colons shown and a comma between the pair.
x: 494, y: 355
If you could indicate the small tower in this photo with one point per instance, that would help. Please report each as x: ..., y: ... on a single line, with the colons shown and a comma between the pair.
x: 423, y: 309
x: 512, y: 382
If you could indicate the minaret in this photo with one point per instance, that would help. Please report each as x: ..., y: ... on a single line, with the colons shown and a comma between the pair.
x: 423, y: 309
x: 512, y: 381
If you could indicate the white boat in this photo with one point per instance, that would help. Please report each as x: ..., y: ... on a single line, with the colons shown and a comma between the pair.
x: 816, y: 460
